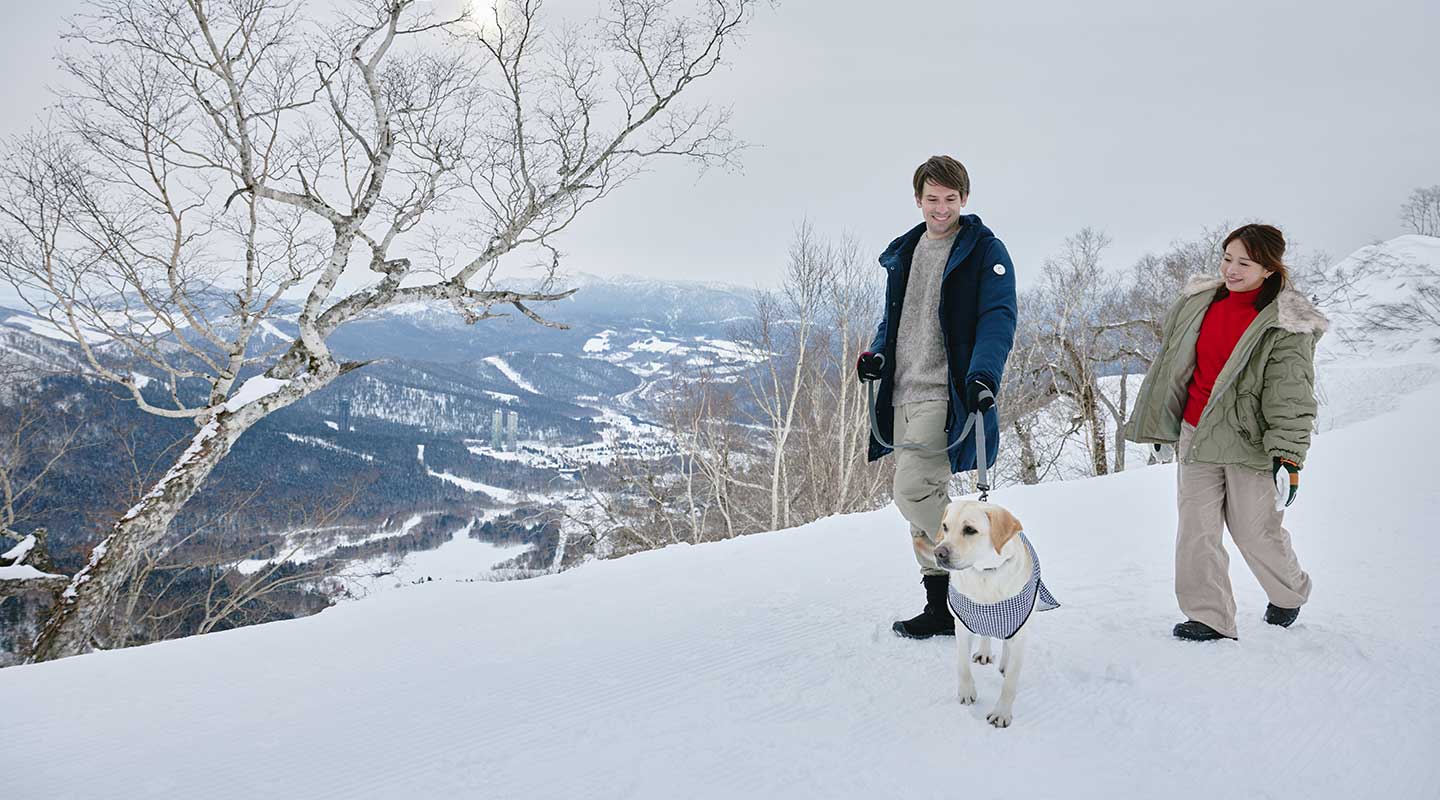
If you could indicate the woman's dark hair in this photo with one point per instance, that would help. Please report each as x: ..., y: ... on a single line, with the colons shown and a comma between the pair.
x: 1265, y: 245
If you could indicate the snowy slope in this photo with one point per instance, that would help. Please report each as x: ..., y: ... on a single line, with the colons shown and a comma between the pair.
x: 764, y: 667
x: 510, y: 373
x: 460, y: 559
x: 1381, y: 274
x: 1361, y: 367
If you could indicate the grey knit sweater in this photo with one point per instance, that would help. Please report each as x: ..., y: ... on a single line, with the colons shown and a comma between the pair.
x: 920, y: 370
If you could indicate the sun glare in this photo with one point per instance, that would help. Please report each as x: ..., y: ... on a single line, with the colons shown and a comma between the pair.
x: 483, y: 13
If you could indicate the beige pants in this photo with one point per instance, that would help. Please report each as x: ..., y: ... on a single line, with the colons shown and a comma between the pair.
x: 1213, y: 497
x: 921, y: 479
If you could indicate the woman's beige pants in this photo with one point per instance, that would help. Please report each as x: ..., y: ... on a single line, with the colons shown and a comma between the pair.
x: 1213, y: 497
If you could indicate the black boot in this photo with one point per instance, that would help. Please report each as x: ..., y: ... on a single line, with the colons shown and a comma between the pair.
x: 1197, y: 632
x: 935, y: 620
x: 1275, y: 615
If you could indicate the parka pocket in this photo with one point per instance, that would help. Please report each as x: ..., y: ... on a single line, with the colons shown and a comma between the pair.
x: 1247, y: 413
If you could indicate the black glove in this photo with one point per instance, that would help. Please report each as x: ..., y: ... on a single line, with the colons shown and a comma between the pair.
x: 1287, y: 481
x: 870, y: 365
x: 973, y: 399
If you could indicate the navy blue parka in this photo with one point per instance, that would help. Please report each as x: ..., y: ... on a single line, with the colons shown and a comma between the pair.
x: 977, y: 323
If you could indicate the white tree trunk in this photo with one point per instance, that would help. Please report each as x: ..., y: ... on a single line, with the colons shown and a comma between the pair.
x: 94, y: 591
x: 562, y: 540
x: 1029, y: 464
x: 1120, y: 423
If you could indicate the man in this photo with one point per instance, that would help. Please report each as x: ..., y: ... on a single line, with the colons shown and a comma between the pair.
x: 942, y: 341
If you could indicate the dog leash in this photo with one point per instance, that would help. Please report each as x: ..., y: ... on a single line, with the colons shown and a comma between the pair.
x: 972, y: 420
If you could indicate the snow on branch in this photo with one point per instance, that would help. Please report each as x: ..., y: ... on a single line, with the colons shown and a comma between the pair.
x: 16, y: 576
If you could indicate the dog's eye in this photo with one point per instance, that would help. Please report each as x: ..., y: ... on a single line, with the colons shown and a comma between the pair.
x: 944, y: 528
x: 969, y: 530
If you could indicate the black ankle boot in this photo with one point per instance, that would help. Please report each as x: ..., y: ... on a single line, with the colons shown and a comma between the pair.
x: 935, y: 620
x: 1197, y: 632
x: 1275, y: 615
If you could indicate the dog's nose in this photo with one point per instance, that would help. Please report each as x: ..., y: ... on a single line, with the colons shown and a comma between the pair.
x: 942, y: 552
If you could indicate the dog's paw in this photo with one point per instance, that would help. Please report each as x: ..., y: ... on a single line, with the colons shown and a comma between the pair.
x: 983, y: 658
x: 967, y: 695
x: 1000, y: 719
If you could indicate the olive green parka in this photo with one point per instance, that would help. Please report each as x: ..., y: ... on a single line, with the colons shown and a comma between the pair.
x: 1263, y: 404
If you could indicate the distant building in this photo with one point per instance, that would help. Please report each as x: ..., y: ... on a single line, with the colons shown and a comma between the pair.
x: 344, y: 415
x: 513, y: 427
x: 497, y: 424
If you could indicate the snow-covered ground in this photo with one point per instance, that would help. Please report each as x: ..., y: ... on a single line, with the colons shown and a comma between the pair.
x: 511, y: 374
x: 326, y: 444
x: 461, y: 559
x: 500, y: 494
x: 765, y: 667
x: 48, y: 329
x: 598, y: 343
x: 672, y: 358
x: 304, y: 546
x: 619, y: 433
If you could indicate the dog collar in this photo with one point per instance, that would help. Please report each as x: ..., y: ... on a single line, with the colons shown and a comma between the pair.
x: 1001, y: 620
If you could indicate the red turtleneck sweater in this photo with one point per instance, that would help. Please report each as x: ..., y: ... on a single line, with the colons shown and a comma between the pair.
x: 1222, y: 327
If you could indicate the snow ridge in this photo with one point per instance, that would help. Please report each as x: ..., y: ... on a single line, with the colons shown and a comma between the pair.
x: 509, y: 372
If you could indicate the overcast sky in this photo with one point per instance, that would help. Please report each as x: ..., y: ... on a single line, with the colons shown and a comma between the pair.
x: 1148, y: 120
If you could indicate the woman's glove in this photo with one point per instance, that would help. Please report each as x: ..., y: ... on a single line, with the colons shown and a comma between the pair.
x: 1287, y: 481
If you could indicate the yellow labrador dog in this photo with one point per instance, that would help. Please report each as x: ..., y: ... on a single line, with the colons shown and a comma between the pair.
x: 994, y: 588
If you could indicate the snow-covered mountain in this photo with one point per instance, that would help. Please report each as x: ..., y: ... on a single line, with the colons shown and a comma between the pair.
x: 765, y: 667
x: 578, y: 394
x: 25, y: 350
x: 1381, y: 283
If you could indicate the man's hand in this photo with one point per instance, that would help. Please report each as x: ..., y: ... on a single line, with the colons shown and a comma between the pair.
x: 975, y: 399
x: 1287, y: 481
x: 870, y: 365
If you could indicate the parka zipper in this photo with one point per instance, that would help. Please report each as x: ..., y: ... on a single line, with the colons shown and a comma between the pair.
x: 1215, y: 393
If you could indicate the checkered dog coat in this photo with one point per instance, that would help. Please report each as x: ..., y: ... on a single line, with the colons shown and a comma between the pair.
x: 1001, y: 620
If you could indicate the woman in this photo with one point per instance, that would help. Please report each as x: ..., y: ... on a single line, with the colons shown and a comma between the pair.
x: 1234, y: 384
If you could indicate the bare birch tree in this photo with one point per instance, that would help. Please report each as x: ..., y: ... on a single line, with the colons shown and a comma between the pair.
x: 783, y: 445
x: 216, y: 149
x: 1421, y: 212
x: 1150, y: 289
x: 1028, y: 392
x: 840, y: 418
x: 782, y: 337
x: 1076, y: 291
x: 721, y: 493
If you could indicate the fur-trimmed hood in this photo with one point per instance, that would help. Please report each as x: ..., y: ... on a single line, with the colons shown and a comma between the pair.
x: 1295, y: 312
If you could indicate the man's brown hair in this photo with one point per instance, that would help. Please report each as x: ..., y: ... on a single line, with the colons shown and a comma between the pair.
x: 942, y: 171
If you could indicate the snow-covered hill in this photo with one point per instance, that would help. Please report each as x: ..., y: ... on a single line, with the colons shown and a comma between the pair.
x: 436, y: 380
x: 1376, y: 277
x: 1370, y: 356
x: 764, y: 667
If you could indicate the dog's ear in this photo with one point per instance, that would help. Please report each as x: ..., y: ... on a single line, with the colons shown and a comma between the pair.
x: 1003, y: 526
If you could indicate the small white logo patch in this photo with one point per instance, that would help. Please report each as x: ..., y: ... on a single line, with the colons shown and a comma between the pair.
x: 999, y: 269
